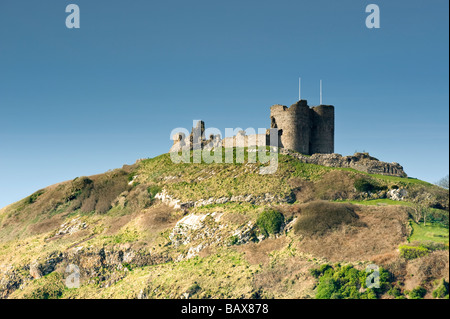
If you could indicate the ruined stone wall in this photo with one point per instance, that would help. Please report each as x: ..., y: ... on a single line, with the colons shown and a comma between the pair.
x: 300, y: 128
x: 322, y: 131
x: 242, y: 140
x: 295, y: 123
x: 359, y: 161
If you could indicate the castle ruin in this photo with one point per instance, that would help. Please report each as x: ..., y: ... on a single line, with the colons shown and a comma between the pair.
x: 306, y: 133
x: 303, y: 129
x: 299, y: 128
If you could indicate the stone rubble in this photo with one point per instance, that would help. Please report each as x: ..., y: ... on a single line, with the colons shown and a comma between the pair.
x: 359, y: 161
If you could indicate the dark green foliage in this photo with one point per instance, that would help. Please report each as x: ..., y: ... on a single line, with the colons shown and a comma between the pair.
x: 438, y: 217
x: 193, y: 289
x: 412, y: 252
x: 48, y: 287
x: 270, y: 222
x: 346, y: 282
x: 417, y: 293
x: 153, y: 190
x: 127, y: 266
x: 395, y: 292
x: 131, y: 176
x: 366, y: 185
x: 78, y: 186
x: 233, y: 240
x: 33, y: 198
x: 317, y: 218
x: 442, y: 290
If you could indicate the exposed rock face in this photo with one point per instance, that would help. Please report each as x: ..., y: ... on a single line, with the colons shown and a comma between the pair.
x: 202, y: 230
x: 195, y: 227
x: 256, y: 200
x: 105, y: 264
x: 71, y: 227
x: 359, y: 161
x: 397, y: 194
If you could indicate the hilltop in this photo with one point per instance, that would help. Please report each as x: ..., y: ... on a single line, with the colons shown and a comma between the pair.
x: 156, y: 229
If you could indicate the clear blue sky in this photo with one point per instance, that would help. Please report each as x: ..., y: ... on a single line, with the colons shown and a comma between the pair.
x: 78, y: 102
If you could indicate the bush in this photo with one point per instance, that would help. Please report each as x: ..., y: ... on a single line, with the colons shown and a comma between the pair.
x: 417, y: 293
x: 366, y: 185
x: 78, y: 186
x: 316, y: 273
x: 193, y: 289
x: 96, y: 194
x: 270, y: 222
x: 233, y: 240
x: 33, y: 198
x: 317, y: 218
x: 345, y: 282
x: 438, y: 216
x: 47, y: 287
x: 433, y: 246
x: 153, y: 190
x: 412, y: 252
x: 395, y: 292
x: 442, y: 290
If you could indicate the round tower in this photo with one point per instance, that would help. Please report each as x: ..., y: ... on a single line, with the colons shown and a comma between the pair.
x: 295, y: 123
x: 322, y: 132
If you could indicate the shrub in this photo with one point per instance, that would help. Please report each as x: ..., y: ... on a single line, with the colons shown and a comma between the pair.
x: 412, y: 252
x: 345, y: 282
x: 98, y: 194
x: 317, y: 218
x: 433, y: 246
x: 193, y: 289
x: 326, y: 289
x: 47, y: 287
x: 270, y: 222
x: 33, y: 198
x: 234, y: 240
x: 153, y: 190
x: 366, y: 185
x: 395, y: 292
x: 316, y: 273
x: 139, y: 198
x: 417, y: 293
x: 442, y: 290
x: 78, y: 186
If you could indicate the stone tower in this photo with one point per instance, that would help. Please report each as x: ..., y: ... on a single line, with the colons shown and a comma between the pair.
x: 322, y: 131
x: 304, y: 129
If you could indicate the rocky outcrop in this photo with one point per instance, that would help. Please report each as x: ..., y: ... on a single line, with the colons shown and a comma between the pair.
x: 252, y: 199
x: 397, y: 194
x: 71, y: 227
x: 360, y: 161
x: 103, y: 265
x: 202, y: 230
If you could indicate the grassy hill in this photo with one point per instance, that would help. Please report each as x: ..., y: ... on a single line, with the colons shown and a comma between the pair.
x: 307, y: 231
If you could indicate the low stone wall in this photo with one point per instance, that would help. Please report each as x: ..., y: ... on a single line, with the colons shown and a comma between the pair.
x: 360, y: 161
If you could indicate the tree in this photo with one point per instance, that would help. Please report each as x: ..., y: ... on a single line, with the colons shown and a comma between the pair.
x: 443, y: 182
x: 421, y: 208
x: 417, y: 211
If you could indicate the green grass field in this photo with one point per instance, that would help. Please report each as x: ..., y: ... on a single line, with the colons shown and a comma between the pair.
x: 429, y: 232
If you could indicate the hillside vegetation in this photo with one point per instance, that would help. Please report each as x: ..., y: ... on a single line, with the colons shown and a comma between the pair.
x: 156, y: 229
